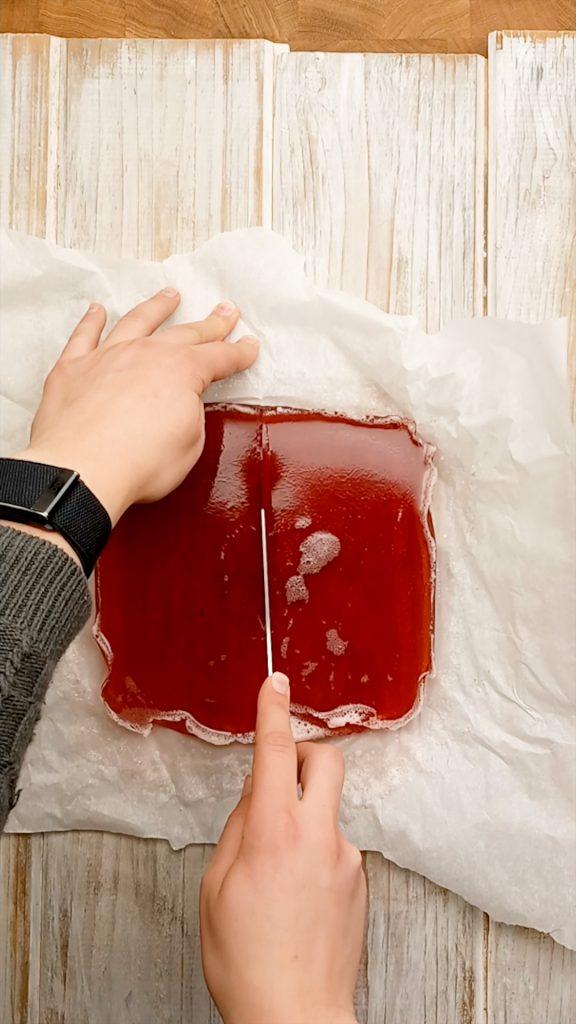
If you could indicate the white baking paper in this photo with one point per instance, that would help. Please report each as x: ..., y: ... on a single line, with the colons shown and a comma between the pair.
x: 478, y: 791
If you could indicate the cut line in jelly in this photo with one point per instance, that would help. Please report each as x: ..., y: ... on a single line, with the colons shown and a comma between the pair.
x: 351, y: 577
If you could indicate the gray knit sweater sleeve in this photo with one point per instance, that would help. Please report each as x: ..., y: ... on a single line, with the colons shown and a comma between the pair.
x: 44, y: 602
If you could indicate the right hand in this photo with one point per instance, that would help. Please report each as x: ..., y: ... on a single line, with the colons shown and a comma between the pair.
x: 283, y: 900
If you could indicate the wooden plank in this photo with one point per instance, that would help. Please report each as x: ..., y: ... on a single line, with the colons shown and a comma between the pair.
x: 24, y: 88
x: 14, y: 927
x: 145, y: 147
x: 425, y: 950
x: 156, y: 145
x: 531, y: 979
x: 379, y: 177
x: 196, y: 1003
x: 532, y: 175
x: 21, y: 904
x: 112, y: 927
x: 531, y: 249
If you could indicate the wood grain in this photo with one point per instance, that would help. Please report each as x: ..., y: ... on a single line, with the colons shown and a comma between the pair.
x: 122, y: 173
x: 425, y: 948
x: 532, y: 175
x: 127, y: 896
x: 531, y: 275
x: 410, y: 26
x: 141, y: 148
x: 531, y: 979
x: 15, y: 868
x: 379, y: 177
x: 24, y: 84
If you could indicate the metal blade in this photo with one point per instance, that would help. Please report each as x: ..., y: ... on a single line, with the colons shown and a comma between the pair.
x: 267, y: 619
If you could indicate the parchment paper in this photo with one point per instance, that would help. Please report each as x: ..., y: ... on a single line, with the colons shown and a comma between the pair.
x: 478, y: 791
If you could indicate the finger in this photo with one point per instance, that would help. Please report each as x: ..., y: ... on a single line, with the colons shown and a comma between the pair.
x: 86, y: 334
x: 229, y: 843
x: 321, y: 773
x: 214, y: 361
x: 274, y: 773
x: 215, y: 327
x: 145, y: 318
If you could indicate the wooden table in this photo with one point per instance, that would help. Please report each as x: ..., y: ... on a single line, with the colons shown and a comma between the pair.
x: 399, y: 182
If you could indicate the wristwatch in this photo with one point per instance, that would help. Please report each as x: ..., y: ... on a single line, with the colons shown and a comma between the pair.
x: 55, y: 499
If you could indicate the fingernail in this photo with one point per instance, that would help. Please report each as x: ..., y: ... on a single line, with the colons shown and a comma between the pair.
x: 93, y: 307
x: 225, y: 309
x: 250, y: 340
x: 280, y: 682
x: 170, y: 292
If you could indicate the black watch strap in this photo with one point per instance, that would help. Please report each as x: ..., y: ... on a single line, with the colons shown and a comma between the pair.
x: 55, y: 499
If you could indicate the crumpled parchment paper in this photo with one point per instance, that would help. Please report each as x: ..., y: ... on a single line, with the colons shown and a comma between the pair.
x: 478, y: 791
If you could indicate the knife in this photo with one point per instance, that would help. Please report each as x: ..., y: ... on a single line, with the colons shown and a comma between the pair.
x: 267, y: 619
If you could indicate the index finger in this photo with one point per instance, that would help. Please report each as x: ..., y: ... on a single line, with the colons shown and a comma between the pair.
x: 275, y: 770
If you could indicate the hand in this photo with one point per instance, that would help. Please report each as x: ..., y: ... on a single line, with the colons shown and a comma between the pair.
x: 127, y: 414
x: 283, y: 899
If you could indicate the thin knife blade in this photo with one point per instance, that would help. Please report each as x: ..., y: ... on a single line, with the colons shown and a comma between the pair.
x: 267, y: 619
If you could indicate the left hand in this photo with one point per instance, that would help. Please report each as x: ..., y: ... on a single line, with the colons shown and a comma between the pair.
x: 127, y: 414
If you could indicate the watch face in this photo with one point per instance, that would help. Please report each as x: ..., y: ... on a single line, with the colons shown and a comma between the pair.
x: 31, y: 491
x: 53, y: 493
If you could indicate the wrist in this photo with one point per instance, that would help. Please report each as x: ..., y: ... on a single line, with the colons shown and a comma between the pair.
x: 321, y: 1016
x: 42, y: 495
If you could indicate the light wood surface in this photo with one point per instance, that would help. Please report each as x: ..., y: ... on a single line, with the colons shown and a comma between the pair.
x: 348, y: 129
x: 532, y: 176
x: 142, y: 148
x: 396, y: 26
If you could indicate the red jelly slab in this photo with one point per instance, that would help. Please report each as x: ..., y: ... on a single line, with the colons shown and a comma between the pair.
x: 180, y: 590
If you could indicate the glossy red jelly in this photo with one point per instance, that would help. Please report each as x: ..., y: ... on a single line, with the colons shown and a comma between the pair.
x: 180, y: 588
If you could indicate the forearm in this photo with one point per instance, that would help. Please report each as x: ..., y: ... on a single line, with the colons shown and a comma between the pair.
x: 44, y: 602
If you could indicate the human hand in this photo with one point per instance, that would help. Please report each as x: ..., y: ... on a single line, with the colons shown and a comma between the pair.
x: 283, y: 899
x: 128, y: 414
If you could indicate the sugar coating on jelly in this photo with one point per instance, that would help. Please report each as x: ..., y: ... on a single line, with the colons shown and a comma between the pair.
x: 296, y: 589
x: 334, y: 642
x: 317, y: 550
